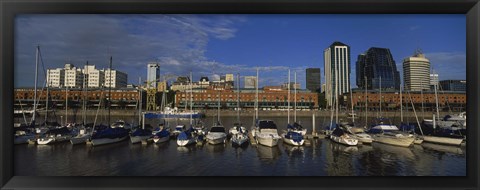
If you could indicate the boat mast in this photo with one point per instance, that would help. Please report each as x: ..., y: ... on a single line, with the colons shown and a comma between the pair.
x: 218, y: 106
x: 436, y: 98
x: 110, y: 90
x: 66, y: 104
x: 336, y: 93
x: 288, y: 103
x: 421, y: 94
x: 380, y: 96
x: 351, y: 103
x: 191, y: 98
x: 140, y: 102
x: 401, y: 105
x: 46, y: 103
x: 85, y: 93
x: 295, y: 97
x: 35, y: 88
x: 256, y: 96
x: 238, y: 98
x: 366, y: 104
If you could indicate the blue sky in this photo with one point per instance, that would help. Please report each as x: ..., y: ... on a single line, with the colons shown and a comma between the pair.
x: 212, y: 45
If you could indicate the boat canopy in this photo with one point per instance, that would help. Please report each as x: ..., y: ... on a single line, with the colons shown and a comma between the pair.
x: 218, y: 129
x: 110, y: 133
x: 266, y: 124
x: 338, y: 131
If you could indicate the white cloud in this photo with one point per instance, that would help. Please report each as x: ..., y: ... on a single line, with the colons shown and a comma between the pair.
x: 448, y: 65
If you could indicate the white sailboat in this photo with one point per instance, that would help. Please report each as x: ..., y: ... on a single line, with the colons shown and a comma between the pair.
x: 238, y: 132
x: 340, y: 134
x: 217, y: 134
x: 389, y: 133
x: 264, y: 131
x: 293, y: 135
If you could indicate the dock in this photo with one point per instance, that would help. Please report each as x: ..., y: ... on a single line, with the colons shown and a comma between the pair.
x: 252, y: 139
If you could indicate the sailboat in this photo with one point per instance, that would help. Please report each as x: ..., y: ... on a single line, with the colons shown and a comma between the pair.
x: 293, y: 135
x: 447, y: 135
x: 388, y: 133
x: 238, y: 132
x: 83, y: 134
x: 340, y: 132
x: 59, y: 134
x: 265, y: 132
x: 140, y: 134
x: 216, y: 134
x: 162, y: 133
x: 116, y: 132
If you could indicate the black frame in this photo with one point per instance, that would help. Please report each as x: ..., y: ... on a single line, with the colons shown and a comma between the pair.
x: 9, y: 8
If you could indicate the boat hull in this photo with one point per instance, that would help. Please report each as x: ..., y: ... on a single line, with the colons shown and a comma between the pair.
x: 161, y: 139
x: 52, y: 140
x: 79, y: 139
x: 344, y: 141
x: 443, y: 140
x: 270, y: 142
x: 23, y: 139
x: 292, y: 142
x: 395, y: 141
x: 138, y: 139
x: 104, y: 141
x: 216, y: 140
x: 185, y: 142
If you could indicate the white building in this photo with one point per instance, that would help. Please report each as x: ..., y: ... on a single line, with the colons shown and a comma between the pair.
x: 416, y: 72
x: 96, y: 78
x: 337, y: 71
x: 434, y: 79
x: 153, y: 74
x: 115, y: 79
x: 250, y: 81
x: 73, y: 76
x: 229, y: 77
x: 55, y: 77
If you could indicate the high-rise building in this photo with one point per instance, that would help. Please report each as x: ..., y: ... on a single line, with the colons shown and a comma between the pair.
x: 96, y: 78
x: 153, y: 74
x: 379, y: 69
x: 55, y: 77
x: 115, y: 79
x: 313, y: 79
x: 337, y: 70
x: 250, y: 81
x: 416, y: 72
x: 453, y: 85
x: 73, y: 76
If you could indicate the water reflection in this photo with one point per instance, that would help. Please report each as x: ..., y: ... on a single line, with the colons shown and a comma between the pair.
x: 443, y: 148
x: 293, y: 151
x: 392, y: 153
x: 217, y: 148
x: 268, y: 153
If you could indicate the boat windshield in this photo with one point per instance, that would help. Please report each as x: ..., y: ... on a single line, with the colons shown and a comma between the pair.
x: 217, y: 129
x: 267, y: 124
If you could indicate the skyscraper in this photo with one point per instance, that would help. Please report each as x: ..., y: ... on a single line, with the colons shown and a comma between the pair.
x: 337, y: 70
x: 416, y: 72
x: 153, y: 74
x: 313, y: 79
x: 250, y: 81
x: 376, y: 65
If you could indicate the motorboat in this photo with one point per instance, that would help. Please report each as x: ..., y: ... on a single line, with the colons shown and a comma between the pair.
x: 265, y: 133
x: 340, y: 135
x: 391, y: 135
x: 239, y: 136
x: 293, y: 138
x: 56, y: 135
x: 217, y: 134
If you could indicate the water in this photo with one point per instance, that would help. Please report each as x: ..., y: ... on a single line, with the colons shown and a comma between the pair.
x: 321, y: 158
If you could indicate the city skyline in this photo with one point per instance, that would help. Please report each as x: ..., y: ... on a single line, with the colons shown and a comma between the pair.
x: 213, y: 45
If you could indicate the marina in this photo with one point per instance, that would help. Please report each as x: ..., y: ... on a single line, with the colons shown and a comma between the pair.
x: 317, y: 157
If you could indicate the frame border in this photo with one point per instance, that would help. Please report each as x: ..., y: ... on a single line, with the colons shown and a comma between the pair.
x: 9, y: 8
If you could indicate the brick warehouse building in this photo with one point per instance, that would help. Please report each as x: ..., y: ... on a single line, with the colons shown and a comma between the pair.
x: 270, y: 97
x: 456, y: 101
x: 124, y: 97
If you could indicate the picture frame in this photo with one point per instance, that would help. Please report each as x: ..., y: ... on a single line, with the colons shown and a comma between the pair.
x: 8, y: 10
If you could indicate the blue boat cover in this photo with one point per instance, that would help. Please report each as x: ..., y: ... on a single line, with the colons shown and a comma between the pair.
x: 296, y: 137
x: 111, y: 133
x: 163, y: 133
x: 142, y: 132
